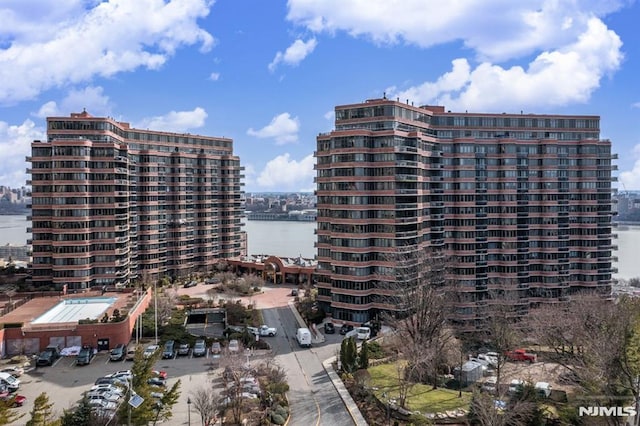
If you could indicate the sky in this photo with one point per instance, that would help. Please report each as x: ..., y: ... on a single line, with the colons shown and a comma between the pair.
x: 268, y: 74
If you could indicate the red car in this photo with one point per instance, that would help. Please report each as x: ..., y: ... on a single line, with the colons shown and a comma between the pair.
x: 14, y: 399
x: 162, y: 374
x: 521, y: 355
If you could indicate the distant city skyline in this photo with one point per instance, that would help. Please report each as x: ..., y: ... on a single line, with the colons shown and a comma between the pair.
x: 269, y: 79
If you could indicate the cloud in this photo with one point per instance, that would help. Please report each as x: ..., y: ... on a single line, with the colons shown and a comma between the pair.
x: 15, y: 145
x: 330, y: 115
x: 215, y: 76
x: 630, y: 180
x: 635, y: 105
x: 294, y: 53
x: 566, y: 75
x: 90, y: 98
x: 282, y: 128
x: 494, y: 29
x: 285, y: 174
x: 175, y: 121
x: 64, y: 43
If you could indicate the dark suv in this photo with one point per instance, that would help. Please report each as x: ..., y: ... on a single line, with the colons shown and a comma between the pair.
x: 85, y: 355
x: 169, y: 350
x: 48, y: 356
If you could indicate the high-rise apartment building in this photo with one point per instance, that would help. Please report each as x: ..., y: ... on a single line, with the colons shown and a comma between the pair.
x: 112, y: 204
x: 518, y: 204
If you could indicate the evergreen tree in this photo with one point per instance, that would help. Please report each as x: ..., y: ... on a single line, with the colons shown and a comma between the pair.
x: 349, y: 355
x: 363, y: 359
x: 42, y: 412
x: 79, y: 416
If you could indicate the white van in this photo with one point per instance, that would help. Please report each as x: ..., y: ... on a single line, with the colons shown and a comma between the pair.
x: 363, y: 333
x: 303, y: 336
x: 9, y: 381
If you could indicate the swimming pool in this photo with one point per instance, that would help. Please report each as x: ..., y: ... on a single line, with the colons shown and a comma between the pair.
x: 72, y: 310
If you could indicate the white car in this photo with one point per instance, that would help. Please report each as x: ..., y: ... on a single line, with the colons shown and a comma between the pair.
x: 107, y: 396
x: 125, y: 374
x: 116, y: 390
x: 234, y: 346
x: 15, y: 371
x: 268, y: 331
x: 515, y: 386
x: 490, y: 357
x: 150, y: 350
x: 103, y: 404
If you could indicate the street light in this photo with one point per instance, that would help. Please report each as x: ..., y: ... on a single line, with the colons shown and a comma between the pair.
x: 189, y: 412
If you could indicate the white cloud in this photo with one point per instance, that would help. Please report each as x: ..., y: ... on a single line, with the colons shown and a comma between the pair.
x: 15, y: 145
x: 175, y: 121
x: 90, y: 98
x: 495, y: 29
x: 285, y: 174
x: 74, y: 44
x: 630, y: 180
x: 282, y: 128
x: 635, y: 105
x: 215, y: 76
x: 294, y: 53
x: 330, y: 115
x: 559, y: 77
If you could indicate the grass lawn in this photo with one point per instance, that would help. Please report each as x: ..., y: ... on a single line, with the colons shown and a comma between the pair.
x: 421, y: 397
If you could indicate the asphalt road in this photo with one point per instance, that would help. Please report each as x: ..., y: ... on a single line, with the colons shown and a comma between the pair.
x: 312, y: 397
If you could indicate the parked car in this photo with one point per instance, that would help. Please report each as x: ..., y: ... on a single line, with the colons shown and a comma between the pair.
x: 124, y: 374
x: 216, y: 348
x: 345, y: 328
x: 363, y: 333
x: 200, y: 348
x: 169, y: 350
x: 106, y: 387
x: 159, y: 373
x: 521, y: 355
x: 490, y: 385
x: 329, y: 328
x: 150, y: 350
x: 15, y: 371
x: 184, y: 349
x: 210, y: 281
x: 85, y: 355
x: 267, y: 331
x: 102, y: 404
x: 12, y: 399
x: 294, y: 292
x: 108, y: 396
x: 190, y: 284
x: 234, y: 346
x: 48, y: 356
x: 7, y: 381
x: 118, y: 353
x: 515, y: 386
x: 131, y: 353
x: 157, y: 381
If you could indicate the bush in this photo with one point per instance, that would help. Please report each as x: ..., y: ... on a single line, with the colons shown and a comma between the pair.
x: 277, y: 419
x: 281, y: 411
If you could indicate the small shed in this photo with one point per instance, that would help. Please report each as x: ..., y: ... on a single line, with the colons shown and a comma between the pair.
x: 471, y: 373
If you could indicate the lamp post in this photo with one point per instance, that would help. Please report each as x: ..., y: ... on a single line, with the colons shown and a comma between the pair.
x: 155, y: 307
x: 189, y: 411
x: 129, y: 387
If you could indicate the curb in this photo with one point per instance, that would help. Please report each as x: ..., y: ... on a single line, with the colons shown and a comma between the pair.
x: 352, y: 408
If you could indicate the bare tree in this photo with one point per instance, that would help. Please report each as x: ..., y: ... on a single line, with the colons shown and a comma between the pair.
x: 419, y: 294
x: 206, y: 402
x: 597, y: 342
x: 486, y: 410
x: 235, y: 374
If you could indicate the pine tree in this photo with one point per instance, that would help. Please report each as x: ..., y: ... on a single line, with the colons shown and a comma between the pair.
x: 79, y: 416
x: 42, y: 412
x: 349, y: 355
x: 363, y: 359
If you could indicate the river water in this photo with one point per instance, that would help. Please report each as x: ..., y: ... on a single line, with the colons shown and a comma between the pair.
x: 292, y: 239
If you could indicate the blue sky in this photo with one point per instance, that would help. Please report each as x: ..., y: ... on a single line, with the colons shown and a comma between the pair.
x: 269, y: 73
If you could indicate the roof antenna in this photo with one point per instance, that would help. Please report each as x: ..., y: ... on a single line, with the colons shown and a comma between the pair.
x: 384, y: 95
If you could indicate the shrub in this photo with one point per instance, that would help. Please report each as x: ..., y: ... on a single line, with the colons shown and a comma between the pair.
x: 277, y: 419
x: 281, y: 411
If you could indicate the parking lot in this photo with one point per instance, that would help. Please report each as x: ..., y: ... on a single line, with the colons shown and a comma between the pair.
x: 65, y: 382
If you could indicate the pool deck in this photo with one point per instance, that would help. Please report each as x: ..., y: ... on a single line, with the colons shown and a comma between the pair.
x: 37, y: 306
